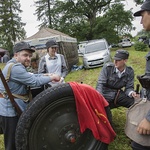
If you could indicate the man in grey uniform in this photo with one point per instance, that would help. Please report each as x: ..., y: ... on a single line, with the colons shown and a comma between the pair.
x: 18, y: 82
x: 116, y: 81
x: 144, y: 126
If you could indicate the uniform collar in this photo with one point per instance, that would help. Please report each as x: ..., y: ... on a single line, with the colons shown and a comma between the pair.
x: 52, y: 58
x: 116, y: 70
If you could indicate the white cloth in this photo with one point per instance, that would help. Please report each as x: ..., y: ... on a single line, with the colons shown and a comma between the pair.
x: 53, y: 65
x: 119, y: 73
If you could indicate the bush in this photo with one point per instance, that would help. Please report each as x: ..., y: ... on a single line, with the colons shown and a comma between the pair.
x: 140, y: 46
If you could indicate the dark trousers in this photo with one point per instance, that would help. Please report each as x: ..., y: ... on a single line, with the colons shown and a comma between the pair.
x: 136, y: 146
x: 8, y: 125
x: 121, y: 100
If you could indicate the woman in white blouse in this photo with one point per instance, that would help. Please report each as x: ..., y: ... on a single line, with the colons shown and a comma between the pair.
x: 53, y: 62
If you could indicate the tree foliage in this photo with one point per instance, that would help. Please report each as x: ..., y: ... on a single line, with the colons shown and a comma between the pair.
x: 11, y: 26
x: 86, y: 19
x: 138, y: 1
x: 119, y: 22
x: 141, y: 46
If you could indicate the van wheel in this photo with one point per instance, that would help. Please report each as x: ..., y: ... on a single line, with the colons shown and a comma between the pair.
x: 50, y: 123
x: 85, y: 68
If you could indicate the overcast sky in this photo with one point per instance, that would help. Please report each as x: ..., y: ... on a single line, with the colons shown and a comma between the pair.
x: 32, y: 24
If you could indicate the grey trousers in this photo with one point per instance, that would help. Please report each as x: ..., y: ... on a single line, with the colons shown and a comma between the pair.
x: 136, y: 146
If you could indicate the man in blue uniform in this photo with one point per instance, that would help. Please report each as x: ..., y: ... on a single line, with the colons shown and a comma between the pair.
x: 19, y: 80
x: 116, y: 81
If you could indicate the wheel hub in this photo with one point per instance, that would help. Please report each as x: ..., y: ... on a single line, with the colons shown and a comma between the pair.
x: 69, y: 133
x: 70, y: 136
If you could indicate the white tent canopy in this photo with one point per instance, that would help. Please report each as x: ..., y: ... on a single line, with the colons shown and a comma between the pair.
x: 67, y: 44
x: 45, y: 34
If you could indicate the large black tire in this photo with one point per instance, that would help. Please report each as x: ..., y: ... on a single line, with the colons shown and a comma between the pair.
x: 50, y: 123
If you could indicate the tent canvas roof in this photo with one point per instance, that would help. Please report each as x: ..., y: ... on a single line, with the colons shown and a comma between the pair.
x: 45, y: 34
x: 3, y: 50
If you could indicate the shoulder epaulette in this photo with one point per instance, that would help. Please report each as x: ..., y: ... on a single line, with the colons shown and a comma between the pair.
x: 109, y: 64
x: 129, y: 67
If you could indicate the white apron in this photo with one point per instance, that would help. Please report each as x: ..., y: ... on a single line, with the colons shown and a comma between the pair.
x: 54, y: 66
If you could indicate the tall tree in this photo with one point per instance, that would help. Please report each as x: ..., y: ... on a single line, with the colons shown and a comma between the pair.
x: 119, y: 19
x: 81, y: 18
x: 44, y: 12
x: 11, y: 26
x: 115, y: 22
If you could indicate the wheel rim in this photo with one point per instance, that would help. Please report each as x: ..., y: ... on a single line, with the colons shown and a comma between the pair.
x: 57, y: 128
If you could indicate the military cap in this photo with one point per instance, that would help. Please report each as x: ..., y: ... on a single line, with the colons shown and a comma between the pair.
x: 121, y: 54
x: 144, y: 7
x: 22, y: 46
x: 51, y: 43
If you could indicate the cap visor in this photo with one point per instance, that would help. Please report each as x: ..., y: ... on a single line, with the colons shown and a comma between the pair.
x: 54, y: 46
x: 116, y: 58
x: 138, y: 13
x: 32, y: 50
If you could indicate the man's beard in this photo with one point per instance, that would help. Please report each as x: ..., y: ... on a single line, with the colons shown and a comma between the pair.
x: 26, y: 64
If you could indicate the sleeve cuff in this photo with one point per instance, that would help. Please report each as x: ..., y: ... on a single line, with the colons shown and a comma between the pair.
x: 130, y: 93
x: 148, y: 116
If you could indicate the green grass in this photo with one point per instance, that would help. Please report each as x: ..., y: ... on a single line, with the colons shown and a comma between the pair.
x: 1, y: 143
x: 137, y: 61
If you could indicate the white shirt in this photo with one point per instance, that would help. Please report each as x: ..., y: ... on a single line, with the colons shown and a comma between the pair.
x: 119, y: 73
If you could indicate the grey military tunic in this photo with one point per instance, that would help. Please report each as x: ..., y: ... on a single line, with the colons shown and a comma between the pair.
x: 109, y: 82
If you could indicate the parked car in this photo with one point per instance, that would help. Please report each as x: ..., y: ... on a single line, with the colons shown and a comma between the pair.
x: 97, y: 53
x: 125, y: 43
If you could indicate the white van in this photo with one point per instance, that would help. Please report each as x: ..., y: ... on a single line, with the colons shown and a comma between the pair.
x: 125, y: 43
x: 97, y: 53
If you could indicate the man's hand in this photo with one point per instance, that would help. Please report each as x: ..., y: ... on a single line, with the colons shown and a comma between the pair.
x: 144, y: 127
x: 55, y: 77
x: 134, y: 95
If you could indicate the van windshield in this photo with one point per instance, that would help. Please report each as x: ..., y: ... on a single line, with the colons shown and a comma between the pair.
x: 95, y: 47
x: 125, y: 40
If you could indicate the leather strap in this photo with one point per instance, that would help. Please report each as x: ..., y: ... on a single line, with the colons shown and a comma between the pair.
x: 116, y: 98
x: 24, y: 97
x: 9, y: 71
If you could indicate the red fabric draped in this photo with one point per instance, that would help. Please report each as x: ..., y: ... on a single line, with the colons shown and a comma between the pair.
x: 90, y: 106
